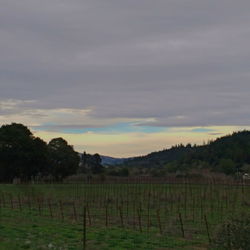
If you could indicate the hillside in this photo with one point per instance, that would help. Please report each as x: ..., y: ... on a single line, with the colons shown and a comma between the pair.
x: 110, y: 161
x: 160, y: 158
x: 228, y: 154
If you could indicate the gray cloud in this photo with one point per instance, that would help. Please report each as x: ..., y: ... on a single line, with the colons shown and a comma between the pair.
x: 181, y: 63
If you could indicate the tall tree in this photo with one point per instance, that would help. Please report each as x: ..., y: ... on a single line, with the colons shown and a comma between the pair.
x: 64, y: 161
x: 21, y: 154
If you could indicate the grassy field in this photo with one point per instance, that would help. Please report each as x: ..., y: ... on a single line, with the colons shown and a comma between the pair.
x: 118, y: 216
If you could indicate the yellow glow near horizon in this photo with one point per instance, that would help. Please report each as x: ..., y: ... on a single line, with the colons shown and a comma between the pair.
x: 134, y: 144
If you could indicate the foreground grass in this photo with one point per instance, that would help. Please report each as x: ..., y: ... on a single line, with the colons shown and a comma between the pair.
x: 44, y: 216
x: 24, y: 230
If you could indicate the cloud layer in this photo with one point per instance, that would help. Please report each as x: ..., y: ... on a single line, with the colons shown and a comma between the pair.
x: 91, y: 64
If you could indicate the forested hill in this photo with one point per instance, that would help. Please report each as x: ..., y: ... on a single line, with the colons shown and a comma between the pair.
x: 227, y: 154
x: 161, y: 157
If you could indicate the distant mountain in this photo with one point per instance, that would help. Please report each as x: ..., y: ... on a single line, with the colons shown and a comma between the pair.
x: 107, y: 160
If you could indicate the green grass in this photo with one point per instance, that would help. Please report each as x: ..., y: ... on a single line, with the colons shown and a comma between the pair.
x: 29, y: 226
x: 22, y: 230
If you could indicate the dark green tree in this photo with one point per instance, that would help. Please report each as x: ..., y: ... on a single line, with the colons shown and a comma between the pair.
x: 64, y: 161
x: 97, y: 167
x: 227, y: 166
x: 21, y: 154
x: 91, y: 163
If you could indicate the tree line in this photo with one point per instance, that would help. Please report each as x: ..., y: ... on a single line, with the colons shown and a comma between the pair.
x: 24, y: 156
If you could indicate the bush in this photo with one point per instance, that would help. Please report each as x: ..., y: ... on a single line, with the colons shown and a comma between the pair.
x: 233, y: 233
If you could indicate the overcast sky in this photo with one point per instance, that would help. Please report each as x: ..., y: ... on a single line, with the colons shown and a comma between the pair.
x: 125, y: 77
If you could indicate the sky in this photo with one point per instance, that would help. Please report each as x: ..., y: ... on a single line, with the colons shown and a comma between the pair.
x: 125, y: 78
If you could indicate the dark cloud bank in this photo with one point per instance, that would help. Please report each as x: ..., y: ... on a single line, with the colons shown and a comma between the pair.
x: 183, y: 63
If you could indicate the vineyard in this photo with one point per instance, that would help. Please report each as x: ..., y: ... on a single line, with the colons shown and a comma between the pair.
x: 181, y: 212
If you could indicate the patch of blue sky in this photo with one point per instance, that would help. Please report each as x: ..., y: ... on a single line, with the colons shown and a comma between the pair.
x: 112, y: 129
x: 151, y: 129
x: 115, y: 129
x: 202, y: 130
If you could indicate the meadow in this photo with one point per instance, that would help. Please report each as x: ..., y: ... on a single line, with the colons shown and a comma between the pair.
x: 154, y: 214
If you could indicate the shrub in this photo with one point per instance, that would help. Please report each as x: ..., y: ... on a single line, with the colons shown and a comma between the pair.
x: 233, y: 233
